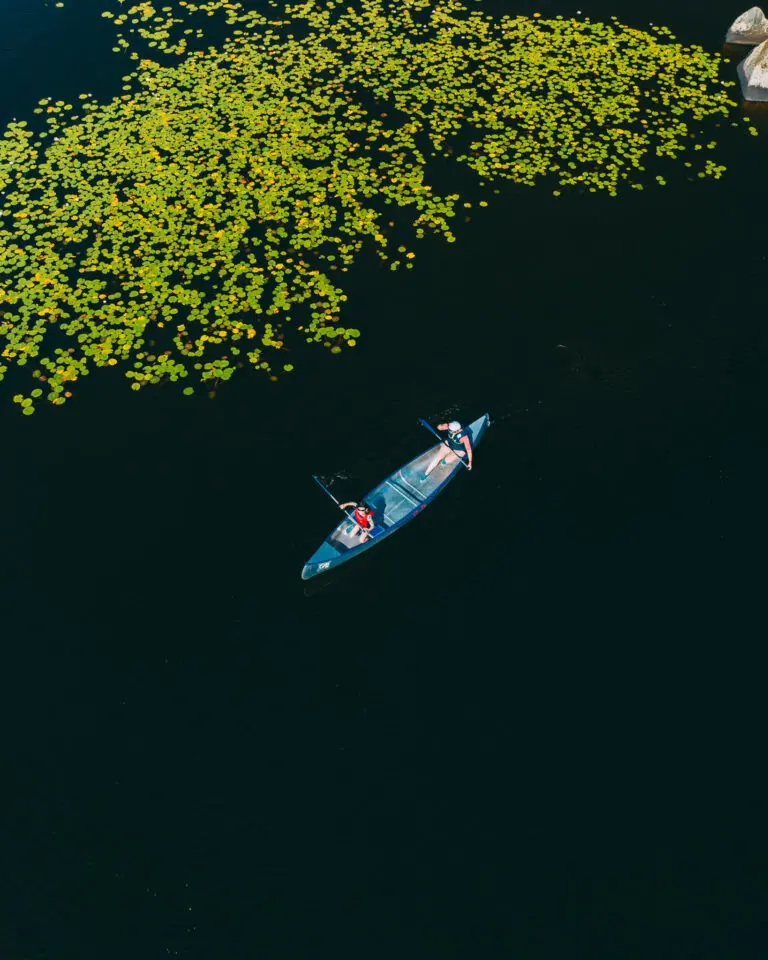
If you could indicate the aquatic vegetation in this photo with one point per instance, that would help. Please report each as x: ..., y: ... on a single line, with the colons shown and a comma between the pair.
x: 175, y: 231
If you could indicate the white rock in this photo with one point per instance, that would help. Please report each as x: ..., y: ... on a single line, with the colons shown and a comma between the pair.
x: 753, y: 74
x: 750, y: 28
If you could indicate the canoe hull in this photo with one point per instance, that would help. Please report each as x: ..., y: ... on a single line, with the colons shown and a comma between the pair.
x: 395, y: 501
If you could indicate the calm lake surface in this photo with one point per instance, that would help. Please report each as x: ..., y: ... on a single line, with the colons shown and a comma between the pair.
x: 530, y: 725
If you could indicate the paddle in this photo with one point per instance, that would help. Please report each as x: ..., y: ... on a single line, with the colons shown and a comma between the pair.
x: 338, y: 504
x: 443, y: 441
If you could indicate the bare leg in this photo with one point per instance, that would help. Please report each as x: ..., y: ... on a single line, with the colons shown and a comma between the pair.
x: 448, y: 455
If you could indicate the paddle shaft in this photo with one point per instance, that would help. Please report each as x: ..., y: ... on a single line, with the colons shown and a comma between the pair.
x: 346, y: 512
x: 444, y: 442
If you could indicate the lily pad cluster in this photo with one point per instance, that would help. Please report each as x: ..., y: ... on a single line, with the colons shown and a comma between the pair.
x: 175, y: 231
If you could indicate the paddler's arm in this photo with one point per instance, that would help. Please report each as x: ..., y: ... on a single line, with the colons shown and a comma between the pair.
x: 468, y: 448
x: 346, y: 506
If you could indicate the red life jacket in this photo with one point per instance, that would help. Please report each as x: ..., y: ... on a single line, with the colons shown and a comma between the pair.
x: 362, y: 517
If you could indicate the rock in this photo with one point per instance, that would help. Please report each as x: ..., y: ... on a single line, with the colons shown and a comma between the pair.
x: 750, y: 28
x: 753, y: 74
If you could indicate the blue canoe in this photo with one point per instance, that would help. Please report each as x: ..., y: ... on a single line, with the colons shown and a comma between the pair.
x: 394, y: 502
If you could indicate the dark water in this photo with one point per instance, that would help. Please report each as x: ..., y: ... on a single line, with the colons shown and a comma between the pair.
x: 531, y: 725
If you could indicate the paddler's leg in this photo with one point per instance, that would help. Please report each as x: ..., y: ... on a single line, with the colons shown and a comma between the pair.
x: 446, y: 457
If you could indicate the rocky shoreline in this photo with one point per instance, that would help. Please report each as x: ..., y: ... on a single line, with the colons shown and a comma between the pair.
x: 751, y: 29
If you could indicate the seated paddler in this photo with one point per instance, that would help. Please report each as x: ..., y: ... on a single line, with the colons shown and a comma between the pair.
x: 363, y: 517
x: 459, y: 447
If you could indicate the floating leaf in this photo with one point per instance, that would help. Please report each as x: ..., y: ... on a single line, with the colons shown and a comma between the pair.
x: 176, y: 231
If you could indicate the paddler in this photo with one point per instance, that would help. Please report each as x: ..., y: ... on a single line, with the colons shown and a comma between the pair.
x: 458, y: 441
x: 363, y: 517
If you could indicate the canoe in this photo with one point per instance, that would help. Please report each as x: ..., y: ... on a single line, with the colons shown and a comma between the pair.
x: 395, y: 501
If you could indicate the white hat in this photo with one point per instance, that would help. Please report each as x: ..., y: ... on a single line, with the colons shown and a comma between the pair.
x: 454, y: 425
